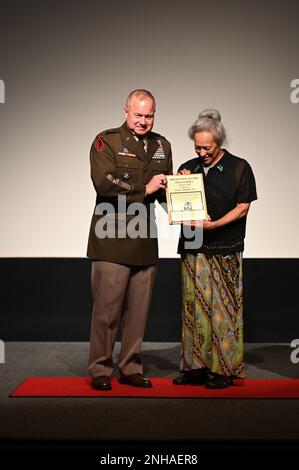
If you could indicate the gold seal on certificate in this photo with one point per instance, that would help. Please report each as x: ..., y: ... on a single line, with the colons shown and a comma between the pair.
x: 186, y: 198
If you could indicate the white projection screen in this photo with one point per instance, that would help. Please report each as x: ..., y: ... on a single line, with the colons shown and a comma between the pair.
x: 66, y: 68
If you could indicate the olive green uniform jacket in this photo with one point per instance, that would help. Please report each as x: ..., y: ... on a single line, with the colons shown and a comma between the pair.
x: 121, y: 167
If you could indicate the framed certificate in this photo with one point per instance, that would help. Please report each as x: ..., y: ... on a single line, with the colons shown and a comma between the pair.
x: 186, y: 198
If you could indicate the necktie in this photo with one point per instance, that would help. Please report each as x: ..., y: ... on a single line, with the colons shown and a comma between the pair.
x: 142, y: 142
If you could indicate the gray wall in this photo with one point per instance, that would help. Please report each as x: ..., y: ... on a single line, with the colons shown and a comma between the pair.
x: 67, y: 68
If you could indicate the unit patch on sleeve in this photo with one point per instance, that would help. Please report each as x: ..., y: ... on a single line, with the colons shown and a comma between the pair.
x: 99, y: 145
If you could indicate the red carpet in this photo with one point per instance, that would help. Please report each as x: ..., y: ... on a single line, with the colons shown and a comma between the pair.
x: 162, y: 388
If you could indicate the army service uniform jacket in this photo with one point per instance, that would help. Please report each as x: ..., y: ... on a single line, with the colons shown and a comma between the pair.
x: 121, y: 166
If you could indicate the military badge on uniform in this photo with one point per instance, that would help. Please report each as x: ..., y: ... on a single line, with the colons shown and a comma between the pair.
x: 99, y: 145
x: 159, y: 153
x: 126, y: 175
x: 126, y: 153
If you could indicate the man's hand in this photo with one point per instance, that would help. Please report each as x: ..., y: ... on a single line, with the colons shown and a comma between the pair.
x: 157, y: 182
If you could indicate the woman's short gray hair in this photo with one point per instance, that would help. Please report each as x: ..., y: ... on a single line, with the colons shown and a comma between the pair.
x: 209, y: 120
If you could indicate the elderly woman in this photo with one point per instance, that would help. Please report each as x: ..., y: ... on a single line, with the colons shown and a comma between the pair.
x: 212, y: 329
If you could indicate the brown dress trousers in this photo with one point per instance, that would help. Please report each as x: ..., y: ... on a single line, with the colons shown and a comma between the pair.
x: 121, y: 297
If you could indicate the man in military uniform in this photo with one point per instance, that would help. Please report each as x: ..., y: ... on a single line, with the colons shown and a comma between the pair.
x: 130, y: 161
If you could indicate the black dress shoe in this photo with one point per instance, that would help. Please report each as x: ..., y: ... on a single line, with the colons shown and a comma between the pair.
x: 194, y: 376
x: 101, y: 382
x: 181, y: 379
x: 136, y: 380
x: 219, y: 381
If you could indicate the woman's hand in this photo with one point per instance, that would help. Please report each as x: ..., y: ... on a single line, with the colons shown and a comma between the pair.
x: 184, y: 171
x: 206, y: 224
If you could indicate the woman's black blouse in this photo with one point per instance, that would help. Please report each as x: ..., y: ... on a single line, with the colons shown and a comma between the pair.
x: 229, y: 182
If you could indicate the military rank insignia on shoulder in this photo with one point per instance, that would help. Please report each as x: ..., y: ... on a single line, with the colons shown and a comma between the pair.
x: 158, y: 136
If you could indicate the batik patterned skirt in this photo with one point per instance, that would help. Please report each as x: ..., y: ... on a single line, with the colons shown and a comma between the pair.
x: 212, y: 323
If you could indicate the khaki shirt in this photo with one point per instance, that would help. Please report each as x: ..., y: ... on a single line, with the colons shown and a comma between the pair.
x: 121, y: 166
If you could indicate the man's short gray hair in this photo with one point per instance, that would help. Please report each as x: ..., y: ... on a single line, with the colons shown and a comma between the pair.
x: 209, y: 120
x: 140, y: 93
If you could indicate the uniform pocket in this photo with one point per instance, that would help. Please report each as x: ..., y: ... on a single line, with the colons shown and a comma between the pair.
x: 158, y: 166
x: 127, y: 168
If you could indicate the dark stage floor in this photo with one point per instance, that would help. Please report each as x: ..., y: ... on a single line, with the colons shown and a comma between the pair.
x: 141, y: 420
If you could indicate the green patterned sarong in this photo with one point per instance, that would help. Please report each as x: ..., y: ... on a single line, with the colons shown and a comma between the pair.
x: 212, y: 330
